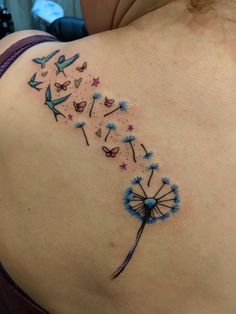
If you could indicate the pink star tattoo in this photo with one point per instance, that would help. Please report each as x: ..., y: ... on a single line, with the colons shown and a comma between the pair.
x: 130, y: 127
x: 123, y: 166
x: 96, y: 82
x: 70, y: 117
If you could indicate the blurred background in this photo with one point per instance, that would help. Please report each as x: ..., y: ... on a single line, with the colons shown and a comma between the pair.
x: 62, y: 18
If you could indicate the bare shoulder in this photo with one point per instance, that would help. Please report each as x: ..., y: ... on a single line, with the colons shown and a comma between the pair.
x: 12, y: 38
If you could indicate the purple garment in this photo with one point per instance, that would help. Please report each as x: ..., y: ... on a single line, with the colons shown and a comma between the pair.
x: 15, y: 50
x: 13, y: 300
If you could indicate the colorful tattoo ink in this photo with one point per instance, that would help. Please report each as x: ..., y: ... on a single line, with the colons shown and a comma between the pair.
x: 95, y: 97
x: 33, y: 83
x: 78, y: 82
x: 138, y: 200
x: 83, y: 67
x: 63, y: 63
x: 53, y: 103
x: 108, y: 102
x: 79, y: 107
x: 146, y: 208
x: 123, y: 107
x: 42, y: 61
x: 110, y: 127
x: 62, y: 86
x: 80, y: 125
x: 111, y: 152
x: 129, y: 139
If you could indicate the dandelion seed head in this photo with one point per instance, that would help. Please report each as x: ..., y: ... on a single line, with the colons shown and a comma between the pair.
x: 97, y: 95
x: 123, y: 106
x: 174, y: 209
x: 177, y: 199
x: 165, y: 181
x: 128, y: 139
x: 175, y: 188
x: 164, y: 217
x: 148, y: 155
x: 80, y: 124
x: 111, y: 126
x: 153, y: 166
x: 136, y: 180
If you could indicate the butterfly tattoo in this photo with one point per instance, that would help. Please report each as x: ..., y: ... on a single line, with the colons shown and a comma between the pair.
x: 62, y: 86
x: 108, y: 102
x: 83, y: 67
x: 79, y: 107
x: 111, y: 152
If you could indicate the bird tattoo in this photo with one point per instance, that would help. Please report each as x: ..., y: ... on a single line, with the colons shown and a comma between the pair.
x: 62, y: 63
x: 52, y: 103
x: 43, y: 60
x: 33, y: 83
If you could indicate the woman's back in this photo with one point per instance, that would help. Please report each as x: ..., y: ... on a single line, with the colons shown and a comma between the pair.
x: 64, y: 228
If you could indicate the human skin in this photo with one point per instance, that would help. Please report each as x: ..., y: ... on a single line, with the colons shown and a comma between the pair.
x: 60, y: 239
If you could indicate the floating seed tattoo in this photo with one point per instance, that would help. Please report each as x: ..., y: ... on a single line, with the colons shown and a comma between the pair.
x: 147, y: 209
x: 110, y: 127
x: 33, y: 83
x: 148, y: 154
x: 80, y: 125
x: 129, y: 139
x: 152, y: 168
x: 95, y: 96
x: 63, y: 63
x: 52, y: 103
x: 44, y: 60
x: 123, y: 107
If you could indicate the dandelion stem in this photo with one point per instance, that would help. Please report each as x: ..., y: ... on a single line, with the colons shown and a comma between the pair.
x: 164, y: 195
x: 170, y: 199
x: 91, y: 109
x: 159, y: 190
x: 144, y: 148
x: 134, y: 158
x: 85, y: 136
x: 111, y: 111
x: 149, y: 180
x: 142, y: 189
x: 159, y: 210
x: 107, y: 135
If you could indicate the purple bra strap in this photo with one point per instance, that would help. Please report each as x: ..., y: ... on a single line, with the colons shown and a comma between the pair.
x: 15, y: 50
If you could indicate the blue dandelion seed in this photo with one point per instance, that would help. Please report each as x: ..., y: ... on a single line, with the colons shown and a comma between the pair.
x: 136, y: 180
x: 80, y: 125
x: 148, y: 155
x: 95, y: 97
x: 110, y: 127
x: 129, y: 139
x: 152, y: 167
x: 123, y: 107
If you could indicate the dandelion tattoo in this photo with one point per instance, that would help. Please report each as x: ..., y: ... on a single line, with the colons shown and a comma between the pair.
x: 152, y: 168
x: 129, y: 139
x: 95, y: 96
x: 148, y: 154
x: 80, y: 125
x: 123, y: 107
x: 147, y: 209
x: 110, y: 127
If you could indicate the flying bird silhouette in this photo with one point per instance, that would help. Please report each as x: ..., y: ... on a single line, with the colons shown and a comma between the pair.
x: 62, y: 63
x: 52, y: 103
x: 33, y: 83
x: 43, y: 60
